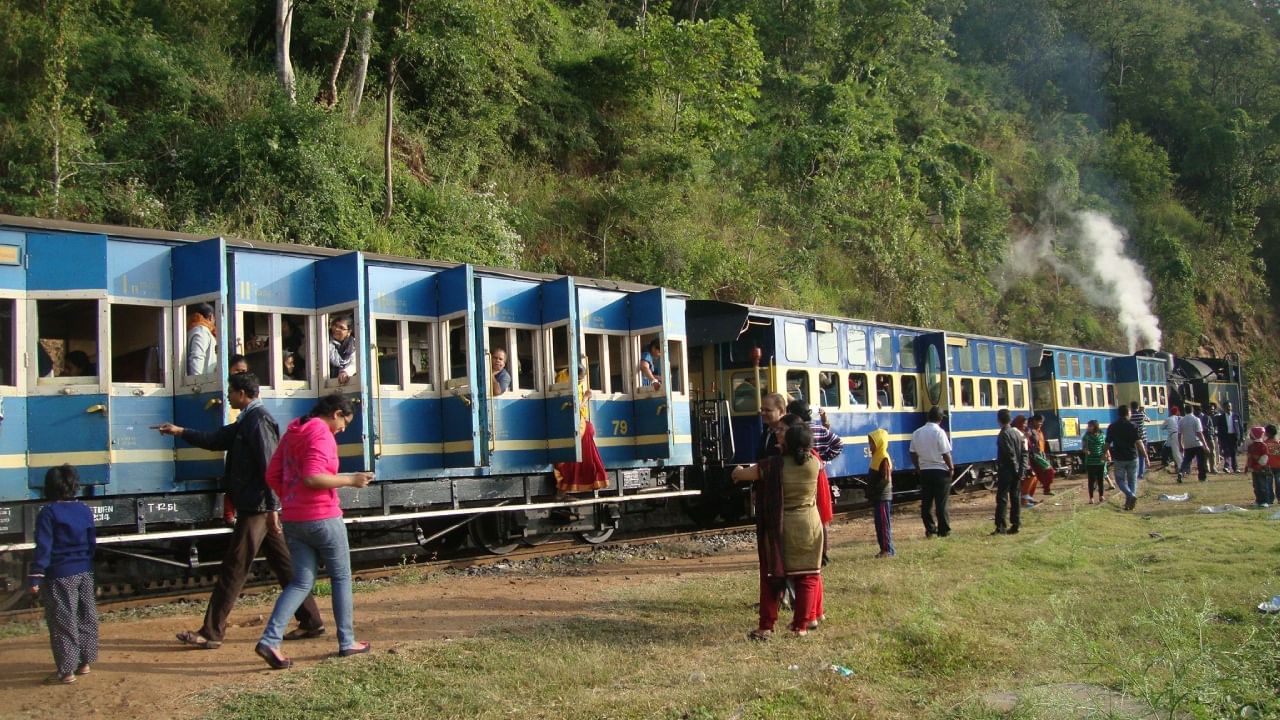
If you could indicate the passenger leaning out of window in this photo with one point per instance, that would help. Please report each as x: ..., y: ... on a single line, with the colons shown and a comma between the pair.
x: 202, y: 340
x: 651, y: 366
x: 342, y: 350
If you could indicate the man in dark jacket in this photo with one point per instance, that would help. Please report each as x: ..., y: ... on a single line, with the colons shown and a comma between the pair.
x: 1011, y: 467
x: 1228, y: 426
x: 249, y: 443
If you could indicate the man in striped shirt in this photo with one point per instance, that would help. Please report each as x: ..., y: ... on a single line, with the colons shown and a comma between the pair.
x: 1138, y: 416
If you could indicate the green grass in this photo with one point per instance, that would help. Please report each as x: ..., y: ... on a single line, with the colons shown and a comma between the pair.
x: 1083, y: 595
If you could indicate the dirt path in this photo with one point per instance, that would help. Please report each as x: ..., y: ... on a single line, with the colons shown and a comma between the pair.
x: 144, y: 671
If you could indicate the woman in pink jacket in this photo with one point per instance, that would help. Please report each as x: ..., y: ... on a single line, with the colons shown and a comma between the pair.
x: 304, y: 473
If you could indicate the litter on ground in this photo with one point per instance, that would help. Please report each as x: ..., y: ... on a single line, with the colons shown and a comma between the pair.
x: 1182, y: 497
x: 1270, y: 606
x: 1215, y: 509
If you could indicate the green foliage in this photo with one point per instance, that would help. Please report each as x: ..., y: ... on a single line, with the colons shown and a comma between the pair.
x: 870, y: 158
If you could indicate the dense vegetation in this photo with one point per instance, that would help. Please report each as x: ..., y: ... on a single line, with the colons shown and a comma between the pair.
x: 868, y: 157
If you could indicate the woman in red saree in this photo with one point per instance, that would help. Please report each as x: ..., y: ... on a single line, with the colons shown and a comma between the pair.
x: 788, y: 530
x: 588, y: 474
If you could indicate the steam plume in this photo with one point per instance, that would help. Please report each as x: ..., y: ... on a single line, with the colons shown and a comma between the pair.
x: 1109, y: 277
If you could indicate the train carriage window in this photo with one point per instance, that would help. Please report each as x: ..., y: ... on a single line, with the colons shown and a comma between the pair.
x: 1111, y: 396
x: 1019, y: 395
x: 746, y: 396
x: 1097, y: 368
x: 1042, y: 395
x: 675, y: 365
x: 965, y: 353
x: 593, y: 347
x: 907, y: 352
x: 386, y: 337
x: 1002, y: 393
x: 798, y: 385
x: 829, y: 389
x: 558, y: 372
x: 1002, y: 359
x: 884, y: 349
x: 1077, y: 394
x: 910, y: 391
x: 200, y: 339
x: 137, y: 344
x: 8, y: 348
x: 828, y: 348
x: 1062, y: 364
x: 856, y: 346
x: 884, y: 390
x: 966, y: 392
x: 1064, y: 395
x: 295, y: 338
x: 254, y: 340
x: 1099, y: 396
x: 341, y: 348
x: 525, y: 375
x: 1146, y: 395
x: 456, y: 353
x: 1075, y: 365
x: 984, y: 392
x: 68, y: 335
x: 984, y: 358
x: 1015, y: 355
x: 1144, y: 372
x: 795, y: 336
x: 1088, y: 396
x: 1164, y: 399
x: 858, y: 390
x: 420, y: 364
x: 619, y: 364
x: 1087, y: 368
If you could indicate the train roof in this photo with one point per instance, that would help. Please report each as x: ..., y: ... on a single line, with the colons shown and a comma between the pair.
x: 726, y: 310
x: 130, y: 233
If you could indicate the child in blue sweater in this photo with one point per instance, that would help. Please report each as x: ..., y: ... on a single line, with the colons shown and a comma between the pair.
x: 63, y: 567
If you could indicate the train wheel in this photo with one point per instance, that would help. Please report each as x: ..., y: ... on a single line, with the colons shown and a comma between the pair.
x: 595, y: 537
x: 489, y: 531
x: 989, y: 482
x: 14, y: 592
x: 536, y: 540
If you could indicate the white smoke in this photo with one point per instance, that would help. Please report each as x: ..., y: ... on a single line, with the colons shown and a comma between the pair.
x: 1109, y: 278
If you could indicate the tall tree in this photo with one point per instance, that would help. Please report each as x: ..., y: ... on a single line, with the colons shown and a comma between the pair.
x: 284, y: 36
x: 364, y: 45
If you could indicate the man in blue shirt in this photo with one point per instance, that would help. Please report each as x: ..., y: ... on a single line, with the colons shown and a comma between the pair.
x: 501, y: 375
x: 651, y: 365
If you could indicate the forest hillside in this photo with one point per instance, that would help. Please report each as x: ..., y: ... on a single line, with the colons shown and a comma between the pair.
x: 1096, y: 172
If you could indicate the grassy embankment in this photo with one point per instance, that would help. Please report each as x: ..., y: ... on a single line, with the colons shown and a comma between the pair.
x: 1157, y: 605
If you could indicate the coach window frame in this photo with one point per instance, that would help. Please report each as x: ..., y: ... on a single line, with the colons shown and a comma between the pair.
x: 159, y: 309
x: 180, y: 344
x: 55, y: 384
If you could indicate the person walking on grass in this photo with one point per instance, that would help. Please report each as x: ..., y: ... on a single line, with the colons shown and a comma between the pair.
x: 1037, y: 447
x: 1191, y: 437
x: 1138, y: 416
x: 62, y: 574
x: 1094, y: 445
x: 1257, y: 464
x: 931, y: 455
x: 1011, y: 467
x: 1125, y: 446
x: 880, y: 489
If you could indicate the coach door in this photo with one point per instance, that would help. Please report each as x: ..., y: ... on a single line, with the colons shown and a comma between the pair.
x: 606, y: 335
x: 653, y: 412
x: 342, y: 311
x: 199, y: 278
x: 514, y: 416
x: 13, y: 382
x: 459, y: 374
x: 67, y: 316
x: 931, y: 357
x: 562, y: 408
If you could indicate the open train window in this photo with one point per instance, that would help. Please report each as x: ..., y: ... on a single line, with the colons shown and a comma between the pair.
x: 420, y: 357
x: 1002, y: 359
x: 619, y: 365
x: 521, y: 351
x: 341, y: 348
x: 828, y: 348
x: 1111, y: 396
x: 1164, y: 398
x: 856, y: 346
x: 858, y: 390
x: 8, y: 348
x: 675, y: 365
x: 455, y: 357
x: 1064, y: 395
x: 386, y: 338
x: 884, y: 390
x: 910, y: 391
x: 966, y: 392
x: 1002, y: 393
x: 67, y: 332
x: 984, y: 357
x: 137, y: 344
x: 254, y: 340
x: 1077, y: 394
x: 1019, y: 395
x: 884, y: 349
x: 199, y: 340
x: 798, y: 385
x: 644, y: 351
x: 746, y: 395
x: 593, y: 348
x: 295, y: 341
x: 1088, y: 396
x: 907, y: 352
x: 984, y: 393
x: 559, y: 371
x: 1146, y: 395
x: 829, y: 389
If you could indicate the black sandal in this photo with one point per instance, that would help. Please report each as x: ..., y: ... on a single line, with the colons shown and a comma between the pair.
x: 301, y: 633
x: 196, y: 640
x: 272, y: 657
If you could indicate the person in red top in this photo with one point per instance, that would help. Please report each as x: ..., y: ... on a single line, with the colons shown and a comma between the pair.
x: 303, y: 472
x: 1263, y: 491
x: 1273, y: 458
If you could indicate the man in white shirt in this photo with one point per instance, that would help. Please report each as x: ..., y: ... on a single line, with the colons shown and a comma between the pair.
x: 1191, y: 437
x: 931, y: 455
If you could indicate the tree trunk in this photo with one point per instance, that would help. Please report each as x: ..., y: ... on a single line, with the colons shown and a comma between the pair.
x: 284, y: 31
x: 388, y: 198
x: 362, y: 65
x: 328, y: 96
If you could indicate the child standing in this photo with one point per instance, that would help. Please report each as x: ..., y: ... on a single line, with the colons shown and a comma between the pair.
x: 63, y: 568
x: 1095, y: 459
x: 1263, y: 491
x: 880, y: 489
